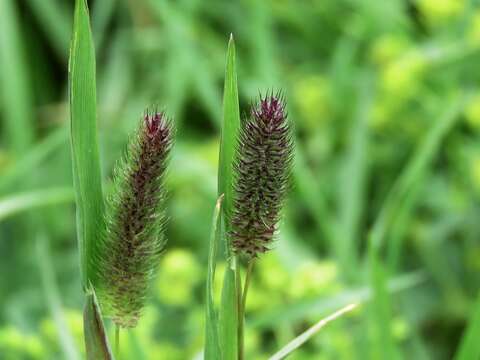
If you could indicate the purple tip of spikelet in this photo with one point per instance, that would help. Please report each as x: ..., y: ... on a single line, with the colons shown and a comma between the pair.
x: 155, y: 124
x: 270, y: 110
x: 134, y: 238
x: 262, y: 169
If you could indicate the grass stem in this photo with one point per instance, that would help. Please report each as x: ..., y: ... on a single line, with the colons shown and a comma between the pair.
x: 241, y: 310
x: 117, y: 341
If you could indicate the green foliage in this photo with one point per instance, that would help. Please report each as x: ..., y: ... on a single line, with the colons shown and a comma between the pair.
x: 96, y: 341
x: 87, y: 177
x: 228, y: 313
x: 212, y: 344
x: 229, y: 130
x: 367, y: 82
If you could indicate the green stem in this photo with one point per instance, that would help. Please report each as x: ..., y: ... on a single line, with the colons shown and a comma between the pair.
x: 117, y: 341
x: 241, y: 310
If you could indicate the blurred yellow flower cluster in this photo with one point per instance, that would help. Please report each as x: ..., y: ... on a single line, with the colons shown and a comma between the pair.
x: 178, y: 267
x: 439, y: 12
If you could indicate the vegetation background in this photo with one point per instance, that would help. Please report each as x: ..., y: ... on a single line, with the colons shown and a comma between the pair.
x: 385, y: 99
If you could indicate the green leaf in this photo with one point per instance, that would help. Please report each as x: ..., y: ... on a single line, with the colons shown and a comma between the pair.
x: 15, y: 87
x: 229, y: 131
x: 212, y: 345
x: 31, y: 159
x: 354, y: 174
x: 308, y: 309
x: 15, y: 204
x: 85, y: 157
x: 414, y: 171
x: 305, y: 336
x: 55, y: 23
x: 96, y: 341
x: 380, y: 319
x: 52, y: 297
x: 383, y: 343
x: 228, y: 315
x: 469, y: 348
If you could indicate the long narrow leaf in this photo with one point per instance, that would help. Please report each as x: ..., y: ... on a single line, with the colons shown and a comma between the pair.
x: 305, y: 336
x: 14, y: 204
x: 52, y: 297
x: 299, y: 311
x: 228, y: 315
x: 354, y: 180
x: 469, y: 348
x: 230, y: 127
x: 413, y: 173
x: 15, y: 93
x: 96, y: 341
x: 32, y: 158
x: 212, y: 345
x: 85, y: 157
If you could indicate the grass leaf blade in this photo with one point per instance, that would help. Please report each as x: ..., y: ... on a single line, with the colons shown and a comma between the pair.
x: 305, y: 336
x: 85, y: 154
x: 24, y: 201
x: 230, y: 127
x: 52, y: 297
x: 96, y: 341
x: 15, y: 88
x: 212, y: 345
x: 469, y: 348
x: 228, y: 315
x: 383, y: 343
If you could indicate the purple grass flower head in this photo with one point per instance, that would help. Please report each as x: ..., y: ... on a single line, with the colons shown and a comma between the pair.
x: 262, y: 169
x: 134, y: 240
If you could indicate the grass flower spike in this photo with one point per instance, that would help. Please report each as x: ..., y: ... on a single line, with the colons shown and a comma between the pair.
x: 133, y: 239
x: 262, y: 167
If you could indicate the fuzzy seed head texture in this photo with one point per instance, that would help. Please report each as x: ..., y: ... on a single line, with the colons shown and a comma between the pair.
x: 133, y: 240
x: 262, y: 169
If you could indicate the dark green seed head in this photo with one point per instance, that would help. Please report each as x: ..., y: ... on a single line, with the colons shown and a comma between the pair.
x: 133, y: 240
x: 262, y: 168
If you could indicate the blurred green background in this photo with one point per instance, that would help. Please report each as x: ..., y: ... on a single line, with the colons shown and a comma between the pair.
x: 383, y: 95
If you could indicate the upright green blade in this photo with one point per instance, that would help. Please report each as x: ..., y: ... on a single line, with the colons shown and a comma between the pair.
x: 15, y: 88
x: 230, y: 127
x: 96, y: 341
x: 212, y: 345
x: 85, y: 157
x: 228, y: 316
x: 469, y: 348
x: 410, y: 177
x: 52, y: 297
